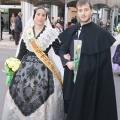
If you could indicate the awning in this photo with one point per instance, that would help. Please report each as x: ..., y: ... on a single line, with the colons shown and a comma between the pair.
x: 71, y: 3
x: 49, y: 2
x: 34, y: 2
x: 10, y: 2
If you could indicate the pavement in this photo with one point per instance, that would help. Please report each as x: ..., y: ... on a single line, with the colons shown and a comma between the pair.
x: 6, y: 42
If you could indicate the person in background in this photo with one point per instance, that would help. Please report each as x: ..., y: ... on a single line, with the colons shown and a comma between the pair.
x: 12, y: 25
x: 116, y: 55
x: 58, y: 20
x: 58, y: 28
x: 68, y: 25
x: 18, y: 27
x: 53, y: 21
x: 53, y: 26
x: 61, y: 26
x: 74, y: 20
x: 2, y: 26
x: 88, y: 88
x: 62, y: 21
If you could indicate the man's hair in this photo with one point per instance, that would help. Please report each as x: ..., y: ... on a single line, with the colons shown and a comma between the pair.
x: 19, y: 13
x: 82, y: 2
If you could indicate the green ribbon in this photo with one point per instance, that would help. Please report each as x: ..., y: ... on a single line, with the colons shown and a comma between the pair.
x: 9, y: 78
x: 76, y: 62
x: 32, y: 39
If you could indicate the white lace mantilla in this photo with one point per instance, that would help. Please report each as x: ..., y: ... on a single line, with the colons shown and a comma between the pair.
x: 44, y: 40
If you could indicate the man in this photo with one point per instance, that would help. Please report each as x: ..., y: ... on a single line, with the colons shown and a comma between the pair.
x: 18, y: 27
x: 74, y: 20
x: 89, y: 92
x: 2, y: 26
x: 53, y: 21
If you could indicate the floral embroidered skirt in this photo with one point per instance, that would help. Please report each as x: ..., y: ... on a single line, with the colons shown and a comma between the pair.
x: 34, y: 94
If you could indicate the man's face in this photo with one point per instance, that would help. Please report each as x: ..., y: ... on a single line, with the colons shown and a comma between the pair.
x: 84, y: 13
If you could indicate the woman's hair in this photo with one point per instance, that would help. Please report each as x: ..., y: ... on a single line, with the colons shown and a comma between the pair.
x: 39, y: 7
x: 82, y: 2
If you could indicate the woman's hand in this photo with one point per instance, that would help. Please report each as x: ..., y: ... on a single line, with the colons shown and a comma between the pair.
x: 67, y: 56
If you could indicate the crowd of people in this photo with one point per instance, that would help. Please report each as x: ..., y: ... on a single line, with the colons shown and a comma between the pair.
x: 15, y: 27
x: 87, y: 91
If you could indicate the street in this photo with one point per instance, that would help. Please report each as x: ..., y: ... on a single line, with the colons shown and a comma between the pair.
x: 4, y: 54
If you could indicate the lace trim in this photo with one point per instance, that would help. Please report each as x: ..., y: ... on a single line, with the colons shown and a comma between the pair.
x: 44, y: 40
x: 47, y: 111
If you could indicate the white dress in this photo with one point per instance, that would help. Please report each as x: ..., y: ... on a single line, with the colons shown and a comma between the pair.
x: 34, y: 83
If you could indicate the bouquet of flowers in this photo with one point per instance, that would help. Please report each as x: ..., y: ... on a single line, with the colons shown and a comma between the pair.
x: 11, y: 65
x: 76, y: 60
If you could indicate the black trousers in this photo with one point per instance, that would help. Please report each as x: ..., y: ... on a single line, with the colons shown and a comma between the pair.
x: 17, y: 37
x: 13, y: 34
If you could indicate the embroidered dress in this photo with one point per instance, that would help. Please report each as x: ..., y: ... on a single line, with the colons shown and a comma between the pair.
x: 35, y: 93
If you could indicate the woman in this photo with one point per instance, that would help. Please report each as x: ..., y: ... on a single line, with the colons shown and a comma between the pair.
x: 12, y: 25
x: 58, y: 28
x: 35, y: 93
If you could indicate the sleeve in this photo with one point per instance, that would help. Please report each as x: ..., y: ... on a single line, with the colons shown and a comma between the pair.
x: 62, y: 51
x: 22, y: 51
x: 56, y: 46
x: 18, y: 24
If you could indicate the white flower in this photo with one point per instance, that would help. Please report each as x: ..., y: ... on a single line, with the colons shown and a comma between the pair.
x: 13, y: 63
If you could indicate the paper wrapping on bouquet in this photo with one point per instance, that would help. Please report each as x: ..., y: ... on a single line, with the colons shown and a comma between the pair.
x: 77, y: 53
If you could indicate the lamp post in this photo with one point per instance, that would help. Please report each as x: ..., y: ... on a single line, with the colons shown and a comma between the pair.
x: 66, y: 14
x: 26, y: 8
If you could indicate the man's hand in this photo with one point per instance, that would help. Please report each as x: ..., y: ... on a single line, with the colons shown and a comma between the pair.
x: 67, y: 56
x: 70, y: 65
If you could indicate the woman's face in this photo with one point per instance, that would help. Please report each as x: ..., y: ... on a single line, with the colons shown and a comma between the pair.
x: 13, y: 15
x: 40, y: 17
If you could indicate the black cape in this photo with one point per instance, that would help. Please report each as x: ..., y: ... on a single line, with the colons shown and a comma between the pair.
x: 92, y: 97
